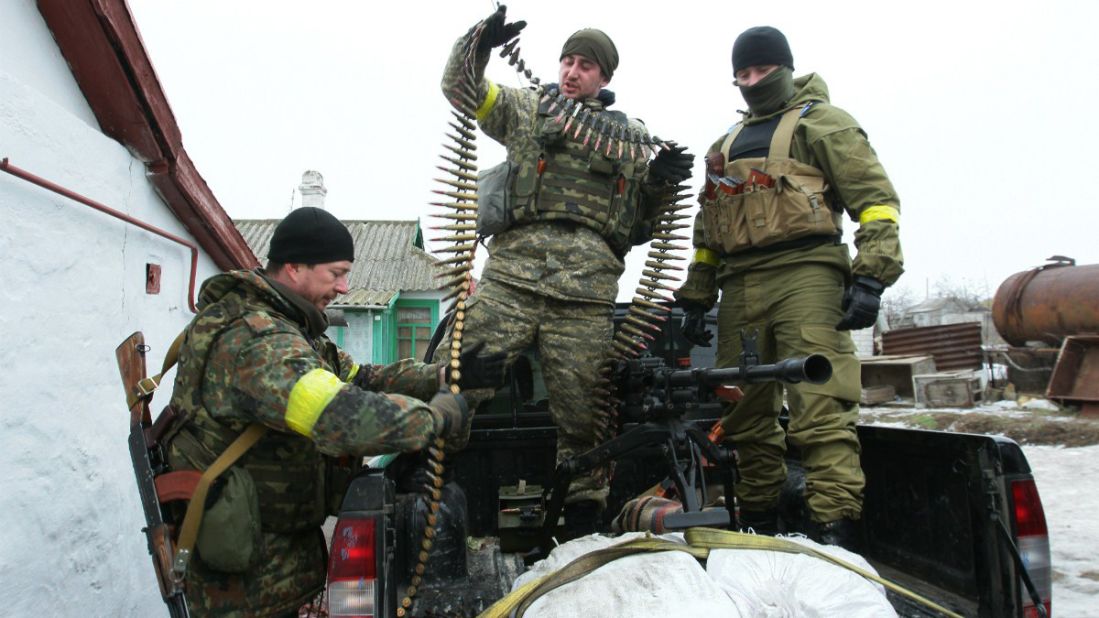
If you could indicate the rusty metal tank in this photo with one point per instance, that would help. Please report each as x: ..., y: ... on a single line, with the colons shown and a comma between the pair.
x: 1048, y: 303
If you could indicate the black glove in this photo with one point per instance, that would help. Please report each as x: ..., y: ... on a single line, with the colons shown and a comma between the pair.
x: 452, y: 416
x: 693, y: 327
x: 496, y: 32
x: 861, y: 303
x: 482, y: 371
x: 672, y: 165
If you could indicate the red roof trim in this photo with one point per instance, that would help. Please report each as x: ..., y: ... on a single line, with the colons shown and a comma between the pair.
x: 100, y: 41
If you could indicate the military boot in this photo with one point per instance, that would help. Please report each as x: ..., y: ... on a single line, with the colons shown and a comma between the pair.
x: 763, y: 521
x: 846, y: 533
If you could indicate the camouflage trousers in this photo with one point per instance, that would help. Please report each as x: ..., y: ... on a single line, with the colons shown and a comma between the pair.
x: 290, y: 573
x: 794, y: 309
x: 572, y: 339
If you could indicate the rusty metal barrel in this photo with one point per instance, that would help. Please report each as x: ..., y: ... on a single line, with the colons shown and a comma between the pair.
x: 1048, y: 303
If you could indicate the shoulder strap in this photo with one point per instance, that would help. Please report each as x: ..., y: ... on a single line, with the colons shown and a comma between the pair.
x: 783, y: 136
x: 192, y: 519
x: 729, y: 139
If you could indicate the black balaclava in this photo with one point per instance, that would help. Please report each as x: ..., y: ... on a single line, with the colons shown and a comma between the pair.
x: 771, y: 93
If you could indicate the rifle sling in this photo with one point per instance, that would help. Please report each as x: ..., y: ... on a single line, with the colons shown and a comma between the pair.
x: 146, y: 386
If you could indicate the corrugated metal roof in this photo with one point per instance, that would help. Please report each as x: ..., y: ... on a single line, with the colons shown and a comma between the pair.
x: 389, y: 258
x: 954, y: 346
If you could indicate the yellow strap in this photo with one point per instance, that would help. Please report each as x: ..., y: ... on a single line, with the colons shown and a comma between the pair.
x: 520, y: 599
x: 310, y: 396
x: 713, y: 538
x: 489, y: 102
x: 706, y: 256
x: 354, y: 371
x: 879, y: 212
x: 699, y: 543
x: 192, y: 519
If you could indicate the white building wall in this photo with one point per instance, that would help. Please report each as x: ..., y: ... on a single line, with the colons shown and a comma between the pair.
x: 74, y: 288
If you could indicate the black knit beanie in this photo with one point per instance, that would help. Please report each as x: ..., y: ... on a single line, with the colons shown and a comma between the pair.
x: 761, y: 46
x: 311, y: 236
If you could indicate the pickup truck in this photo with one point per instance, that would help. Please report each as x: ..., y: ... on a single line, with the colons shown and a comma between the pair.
x: 954, y: 517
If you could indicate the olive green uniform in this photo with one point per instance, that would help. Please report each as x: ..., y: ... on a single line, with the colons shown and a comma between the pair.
x: 552, y: 277
x: 256, y: 353
x: 791, y: 293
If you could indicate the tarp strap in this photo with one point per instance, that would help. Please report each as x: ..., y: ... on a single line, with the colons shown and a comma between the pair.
x: 699, y: 543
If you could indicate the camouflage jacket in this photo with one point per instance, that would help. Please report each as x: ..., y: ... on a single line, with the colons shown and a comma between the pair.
x: 829, y: 139
x: 256, y: 353
x: 558, y: 259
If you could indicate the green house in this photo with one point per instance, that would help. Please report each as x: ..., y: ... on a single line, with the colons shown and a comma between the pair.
x: 393, y: 304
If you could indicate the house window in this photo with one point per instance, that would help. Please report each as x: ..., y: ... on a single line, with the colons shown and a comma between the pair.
x: 414, y: 326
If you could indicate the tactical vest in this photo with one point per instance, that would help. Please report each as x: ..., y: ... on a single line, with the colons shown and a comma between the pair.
x: 768, y: 202
x: 289, y: 473
x: 560, y: 178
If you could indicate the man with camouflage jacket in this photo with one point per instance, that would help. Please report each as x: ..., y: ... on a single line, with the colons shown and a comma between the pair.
x: 768, y: 236
x: 574, y: 212
x: 256, y: 353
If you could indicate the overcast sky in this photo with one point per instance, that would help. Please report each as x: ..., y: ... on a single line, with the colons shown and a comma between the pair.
x: 980, y: 111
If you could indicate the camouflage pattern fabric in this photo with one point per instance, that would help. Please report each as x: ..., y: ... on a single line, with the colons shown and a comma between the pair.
x: 241, y: 358
x: 549, y: 283
x: 794, y: 309
x: 572, y: 339
x: 562, y: 259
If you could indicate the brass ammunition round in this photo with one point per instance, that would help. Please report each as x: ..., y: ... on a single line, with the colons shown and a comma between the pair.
x: 426, y: 543
x: 416, y: 580
x: 454, y: 364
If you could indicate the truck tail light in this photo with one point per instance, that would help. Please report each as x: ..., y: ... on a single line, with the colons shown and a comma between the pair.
x: 352, y: 569
x: 1032, y: 537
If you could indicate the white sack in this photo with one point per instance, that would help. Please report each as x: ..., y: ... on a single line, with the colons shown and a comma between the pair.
x: 770, y: 584
x: 666, y: 584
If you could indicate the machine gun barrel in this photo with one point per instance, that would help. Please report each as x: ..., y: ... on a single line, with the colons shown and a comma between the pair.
x: 815, y: 369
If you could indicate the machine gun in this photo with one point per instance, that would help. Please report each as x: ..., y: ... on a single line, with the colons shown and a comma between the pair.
x: 657, y: 398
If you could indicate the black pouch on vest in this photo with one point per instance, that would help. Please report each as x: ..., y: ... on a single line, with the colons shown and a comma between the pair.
x: 494, y: 214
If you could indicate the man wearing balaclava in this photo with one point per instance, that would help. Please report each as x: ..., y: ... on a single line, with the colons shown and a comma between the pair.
x: 768, y: 236
x: 573, y: 206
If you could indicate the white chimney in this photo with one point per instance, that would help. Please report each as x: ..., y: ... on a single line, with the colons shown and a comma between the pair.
x: 312, y: 189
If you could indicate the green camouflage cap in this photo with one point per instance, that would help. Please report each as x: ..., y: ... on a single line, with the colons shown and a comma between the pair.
x: 596, y: 45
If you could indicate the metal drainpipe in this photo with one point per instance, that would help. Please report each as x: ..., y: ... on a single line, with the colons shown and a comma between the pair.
x: 72, y: 195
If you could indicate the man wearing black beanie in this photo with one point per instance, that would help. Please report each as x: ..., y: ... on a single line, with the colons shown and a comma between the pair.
x: 256, y: 358
x: 768, y: 237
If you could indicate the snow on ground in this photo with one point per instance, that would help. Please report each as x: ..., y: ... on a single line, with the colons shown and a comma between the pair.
x: 1066, y: 479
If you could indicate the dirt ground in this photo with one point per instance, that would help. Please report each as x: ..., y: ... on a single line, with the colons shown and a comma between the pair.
x: 1026, y: 426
